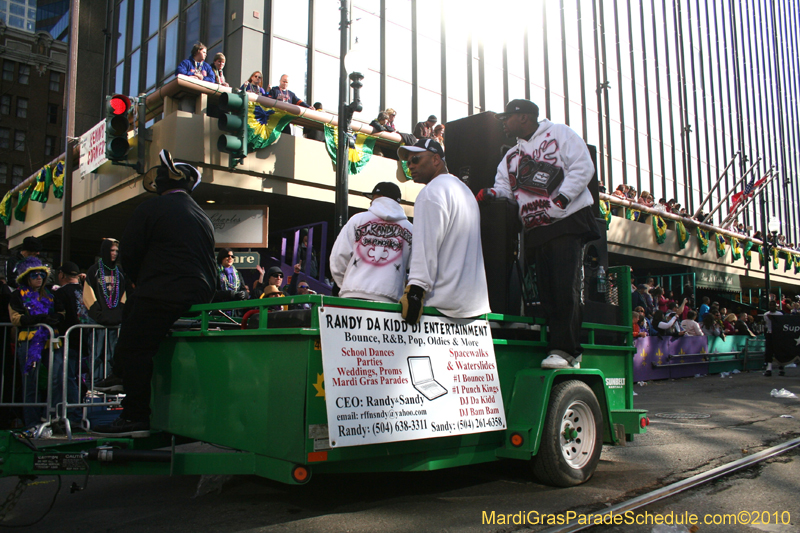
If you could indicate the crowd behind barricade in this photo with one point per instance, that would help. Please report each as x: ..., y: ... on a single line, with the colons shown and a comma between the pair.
x: 195, y: 66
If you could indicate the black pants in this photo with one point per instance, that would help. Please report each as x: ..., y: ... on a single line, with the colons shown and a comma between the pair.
x: 559, y: 281
x: 769, y: 348
x: 143, y: 328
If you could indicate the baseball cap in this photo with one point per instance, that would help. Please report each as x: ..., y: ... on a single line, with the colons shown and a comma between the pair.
x: 423, y: 145
x: 518, y: 107
x: 433, y: 118
x: 641, y: 286
x: 69, y: 269
x: 385, y: 188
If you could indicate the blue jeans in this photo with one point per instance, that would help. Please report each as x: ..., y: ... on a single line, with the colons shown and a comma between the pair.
x: 29, y: 384
x: 72, y: 382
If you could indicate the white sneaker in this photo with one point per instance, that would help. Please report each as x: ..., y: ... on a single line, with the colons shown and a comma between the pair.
x: 556, y: 361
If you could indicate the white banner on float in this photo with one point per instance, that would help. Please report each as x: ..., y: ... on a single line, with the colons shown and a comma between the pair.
x: 388, y: 381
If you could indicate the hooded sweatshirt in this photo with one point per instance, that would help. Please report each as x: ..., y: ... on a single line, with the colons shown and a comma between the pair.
x: 104, y: 290
x: 522, y: 175
x: 370, y: 256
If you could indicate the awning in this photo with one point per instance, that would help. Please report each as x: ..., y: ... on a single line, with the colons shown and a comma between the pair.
x: 720, y: 281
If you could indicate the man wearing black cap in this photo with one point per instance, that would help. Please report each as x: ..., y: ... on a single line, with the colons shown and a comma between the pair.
x: 548, y: 173
x: 168, y: 253
x: 447, y: 259
x: 370, y: 256
x: 424, y: 130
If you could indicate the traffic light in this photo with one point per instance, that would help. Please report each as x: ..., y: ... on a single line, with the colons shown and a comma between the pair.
x: 118, y: 109
x: 234, y: 121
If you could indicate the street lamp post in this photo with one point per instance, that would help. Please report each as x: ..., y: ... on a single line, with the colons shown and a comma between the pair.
x: 770, y: 239
x: 351, y: 66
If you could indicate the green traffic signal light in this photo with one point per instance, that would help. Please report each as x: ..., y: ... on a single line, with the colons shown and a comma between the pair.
x: 233, y: 121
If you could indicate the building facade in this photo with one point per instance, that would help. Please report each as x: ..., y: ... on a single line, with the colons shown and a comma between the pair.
x: 31, y: 103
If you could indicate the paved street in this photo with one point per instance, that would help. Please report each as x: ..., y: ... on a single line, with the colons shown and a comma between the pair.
x: 743, y: 419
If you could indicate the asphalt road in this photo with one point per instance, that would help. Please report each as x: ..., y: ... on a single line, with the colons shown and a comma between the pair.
x: 743, y: 419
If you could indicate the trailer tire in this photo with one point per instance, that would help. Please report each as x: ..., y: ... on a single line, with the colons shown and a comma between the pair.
x: 572, y: 436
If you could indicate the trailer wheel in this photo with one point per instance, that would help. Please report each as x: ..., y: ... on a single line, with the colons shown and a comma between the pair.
x: 571, y: 437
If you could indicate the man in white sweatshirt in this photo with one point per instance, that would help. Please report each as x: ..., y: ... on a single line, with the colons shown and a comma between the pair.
x: 369, y: 259
x: 548, y: 173
x: 447, y: 259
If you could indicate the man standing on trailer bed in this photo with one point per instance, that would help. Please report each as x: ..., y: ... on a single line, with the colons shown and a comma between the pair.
x: 548, y: 173
x: 446, y: 269
x: 168, y: 253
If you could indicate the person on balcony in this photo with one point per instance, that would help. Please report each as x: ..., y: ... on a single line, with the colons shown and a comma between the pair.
x: 230, y: 285
x: 217, y: 66
x: 195, y: 65
x: 255, y: 84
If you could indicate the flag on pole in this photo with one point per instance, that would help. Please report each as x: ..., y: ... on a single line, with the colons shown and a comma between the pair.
x: 357, y: 156
x: 747, y: 247
x: 702, y: 238
x: 5, y: 209
x: 737, y: 198
x: 683, y: 235
x: 660, y: 227
x: 736, y: 250
x: 58, y: 180
x: 22, y: 202
x: 264, y: 125
x: 44, y: 179
x: 605, y: 212
x: 720, y: 244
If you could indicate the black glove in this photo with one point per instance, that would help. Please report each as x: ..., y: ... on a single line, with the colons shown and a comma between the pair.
x: 485, y: 194
x: 30, y: 320
x: 411, y: 303
x: 53, y: 319
x: 335, y: 289
x: 240, y: 295
x: 561, y: 201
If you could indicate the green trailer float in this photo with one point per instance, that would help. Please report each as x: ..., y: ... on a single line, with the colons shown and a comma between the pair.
x: 259, y: 392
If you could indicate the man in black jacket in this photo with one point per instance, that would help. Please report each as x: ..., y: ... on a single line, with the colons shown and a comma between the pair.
x: 168, y: 253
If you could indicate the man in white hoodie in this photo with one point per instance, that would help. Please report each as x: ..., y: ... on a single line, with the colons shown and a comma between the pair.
x: 370, y: 256
x: 447, y: 261
x: 548, y: 173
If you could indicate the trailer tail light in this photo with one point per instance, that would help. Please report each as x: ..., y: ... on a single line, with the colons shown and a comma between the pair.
x: 644, y: 422
x: 300, y: 474
x: 517, y: 440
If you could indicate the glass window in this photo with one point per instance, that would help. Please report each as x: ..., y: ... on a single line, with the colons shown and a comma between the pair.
x: 493, y: 74
x: 326, y: 27
x: 16, y: 22
x: 24, y: 74
x: 17, y: 175
x: 430, y: 103
x: 429, y: 64
x: 8, y: 71
x: 19, y: 141
x: 55, y: 81
x: 398, y: 39
x: 5, y: 104
x: 49, y: 145
x: 216, y: 21
x: 3, y: 173
x: 5, y: 135
x: 133, y: 86
x: 136, y: 31
x: 290, y: 59
x: 152, y: 60
x: 172, y: 8
x: 398, y: 97
x: 456, y: 109
x: 122, y: 27
x: 22, y: 107
x: 326, y: 68
x: 119, y: 78
x: 171, y: 48
x: 155, y: 17
x: 290, y: 20
x: 14, y: 9
x: 192, y: 27
x: 368, y: 32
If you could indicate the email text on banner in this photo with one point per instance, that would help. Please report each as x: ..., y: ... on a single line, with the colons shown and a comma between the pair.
x: 386, y: 380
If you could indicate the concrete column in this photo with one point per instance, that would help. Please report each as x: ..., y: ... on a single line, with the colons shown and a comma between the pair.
x: 244, y: 42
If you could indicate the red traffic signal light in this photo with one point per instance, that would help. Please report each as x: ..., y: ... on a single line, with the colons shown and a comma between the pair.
x: 119, y: 104
x: 118, y: 109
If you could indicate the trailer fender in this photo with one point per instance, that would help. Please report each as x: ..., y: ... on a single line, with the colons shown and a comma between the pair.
x: 526, y: 410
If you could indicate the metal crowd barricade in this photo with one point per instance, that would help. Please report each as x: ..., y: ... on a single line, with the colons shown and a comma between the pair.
x: 84, y: 342
x: 15, y: 386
